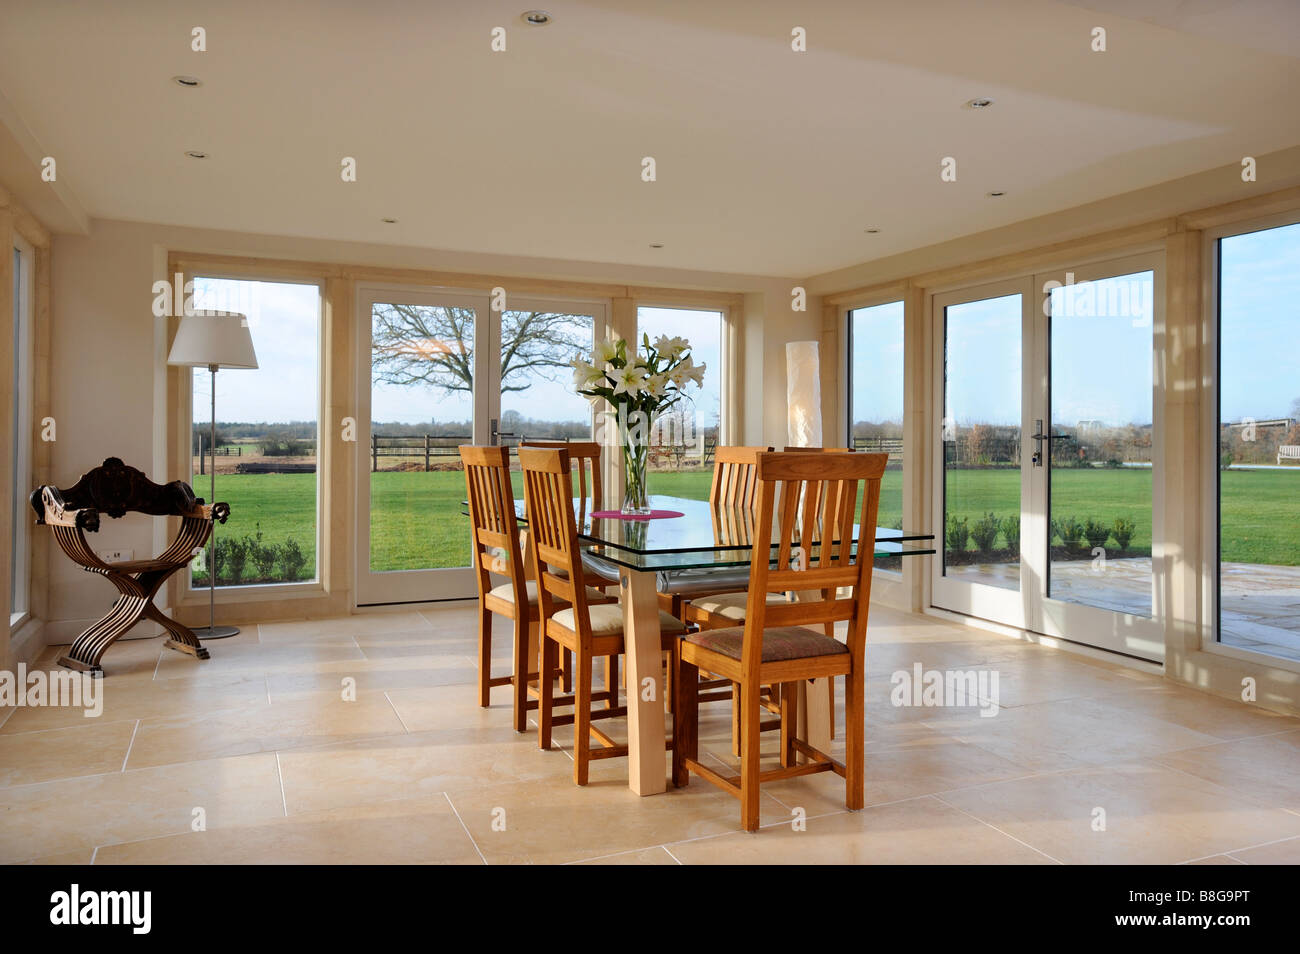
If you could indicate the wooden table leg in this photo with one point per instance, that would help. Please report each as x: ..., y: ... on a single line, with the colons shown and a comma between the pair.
x: 646, y: 772
x: 815, y: 700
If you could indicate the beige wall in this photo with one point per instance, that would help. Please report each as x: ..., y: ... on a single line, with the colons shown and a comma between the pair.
x: 111, y: 392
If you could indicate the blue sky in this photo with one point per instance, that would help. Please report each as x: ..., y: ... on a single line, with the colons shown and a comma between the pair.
x: 1260, y: 315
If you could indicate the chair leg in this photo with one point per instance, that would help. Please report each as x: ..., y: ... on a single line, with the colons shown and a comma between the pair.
x: 736, y: 719
x: 830, y: 683
x: 750, y: 713
x: 686, y: 719
x: 484, y: 656
x: 545, y: 691
x: 789, y: 722
x: 611, y: 681
x: 855, y: 730
x: 521, y: 669
x: 582, y: 718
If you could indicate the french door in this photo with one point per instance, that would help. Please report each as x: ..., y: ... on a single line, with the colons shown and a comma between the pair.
x: 437, y: 369
x: 1048, y: 443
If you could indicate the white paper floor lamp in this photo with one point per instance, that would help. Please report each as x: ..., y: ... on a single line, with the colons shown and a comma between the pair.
x: 803, y: 394
x: 213, y: 340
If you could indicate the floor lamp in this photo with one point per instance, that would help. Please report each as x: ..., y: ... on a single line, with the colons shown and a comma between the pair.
x: 213, y: 340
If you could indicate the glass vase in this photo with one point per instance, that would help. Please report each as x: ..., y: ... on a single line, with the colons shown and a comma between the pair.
x: 634, y: 425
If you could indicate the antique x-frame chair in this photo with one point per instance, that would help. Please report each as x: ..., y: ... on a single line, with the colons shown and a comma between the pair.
x: 115, y: 489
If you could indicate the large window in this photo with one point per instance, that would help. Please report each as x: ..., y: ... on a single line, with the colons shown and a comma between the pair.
x: 20, y: 552
x: 1259, y: 441
x: 875, y: 391
x: 267, y: 435
x: 683, y: 439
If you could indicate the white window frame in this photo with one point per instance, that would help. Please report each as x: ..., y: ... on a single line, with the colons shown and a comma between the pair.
x: 1209, y: 431
x: 24, y: 398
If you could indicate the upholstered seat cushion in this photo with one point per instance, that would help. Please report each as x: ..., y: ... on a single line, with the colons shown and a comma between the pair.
x: 607, y: 620
x: 729, y: 605
x: 506, y: 591
x: 780, y: 643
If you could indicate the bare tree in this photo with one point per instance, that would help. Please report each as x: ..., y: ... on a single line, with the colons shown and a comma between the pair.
x: 433, y: 346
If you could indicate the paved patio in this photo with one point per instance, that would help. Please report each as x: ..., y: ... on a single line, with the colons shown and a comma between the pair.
x: 1261, y: 603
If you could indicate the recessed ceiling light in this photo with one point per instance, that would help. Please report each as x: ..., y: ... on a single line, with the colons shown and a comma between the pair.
x: 996, y: 195
x: 656, y: 245
x: 980, y: 103
x: 389, y: 221
x: 195, y: 154
x: 871, y: 231
x: 189, y: 82
x: 536, y: 17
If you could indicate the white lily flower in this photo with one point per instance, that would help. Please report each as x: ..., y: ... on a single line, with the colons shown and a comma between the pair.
x: 629, y: 381
x: 671, y: 347
x: 604, y: 353
x: 656, y: 385
x: 696, y: 374
x: 680, y: 374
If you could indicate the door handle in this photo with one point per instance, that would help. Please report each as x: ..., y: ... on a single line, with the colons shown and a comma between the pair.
x: 1039, y: 436
x: 496, y: 433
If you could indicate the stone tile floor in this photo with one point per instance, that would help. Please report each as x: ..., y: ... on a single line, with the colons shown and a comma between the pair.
x: 259, y: 745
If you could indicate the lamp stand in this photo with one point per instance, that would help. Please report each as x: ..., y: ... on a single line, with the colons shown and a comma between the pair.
x: 212, y: 630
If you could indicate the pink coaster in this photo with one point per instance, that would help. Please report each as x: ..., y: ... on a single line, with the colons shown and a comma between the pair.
x: 620, y: 515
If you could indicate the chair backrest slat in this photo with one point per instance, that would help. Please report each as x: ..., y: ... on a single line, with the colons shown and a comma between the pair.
x: 806, y: 507
x: 585, y: 457
x: 735, y: 477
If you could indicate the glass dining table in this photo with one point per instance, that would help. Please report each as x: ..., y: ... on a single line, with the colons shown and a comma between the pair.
x: 701, y: 550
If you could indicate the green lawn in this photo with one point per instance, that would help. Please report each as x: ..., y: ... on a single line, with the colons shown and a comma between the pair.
x: 417, y: 519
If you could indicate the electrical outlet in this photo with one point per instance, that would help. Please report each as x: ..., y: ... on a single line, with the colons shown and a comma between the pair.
x: 116, y: 556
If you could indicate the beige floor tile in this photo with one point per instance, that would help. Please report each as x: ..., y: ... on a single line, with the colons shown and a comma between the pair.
x: 1049, y: 736
x: 645, y: 856
x: 64, y: 858
x: 1286, y: 852
x: 1266, y: 768
x: 1152, y: 815
x: 406, y: 831
x: 95, y: 747
x: 553, y: 821
x: 452, y: 760
x: 1216, y: 860
x: 917, y: 831
x: 126, y: 700
x: 77, y: 815
x: 374, y: 676
x: 307, y: 630
x: 260, y: 728
x: 257, y: 658
x: 1200, y: 711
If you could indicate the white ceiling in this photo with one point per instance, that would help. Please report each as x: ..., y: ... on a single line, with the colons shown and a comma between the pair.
x: 770, y: 162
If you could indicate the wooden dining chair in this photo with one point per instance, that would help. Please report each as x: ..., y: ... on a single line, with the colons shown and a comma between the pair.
x: 496, y: 549
x: 806, y: 507
x: 585, y: 456
x: 570, y: 619
x: 586, y: 460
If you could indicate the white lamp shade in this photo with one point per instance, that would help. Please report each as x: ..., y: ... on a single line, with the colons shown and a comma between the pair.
x: 803, y: 394
x: 216, y: 339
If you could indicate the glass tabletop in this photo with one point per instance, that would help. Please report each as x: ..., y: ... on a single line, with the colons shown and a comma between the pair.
x: 703, y: 537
